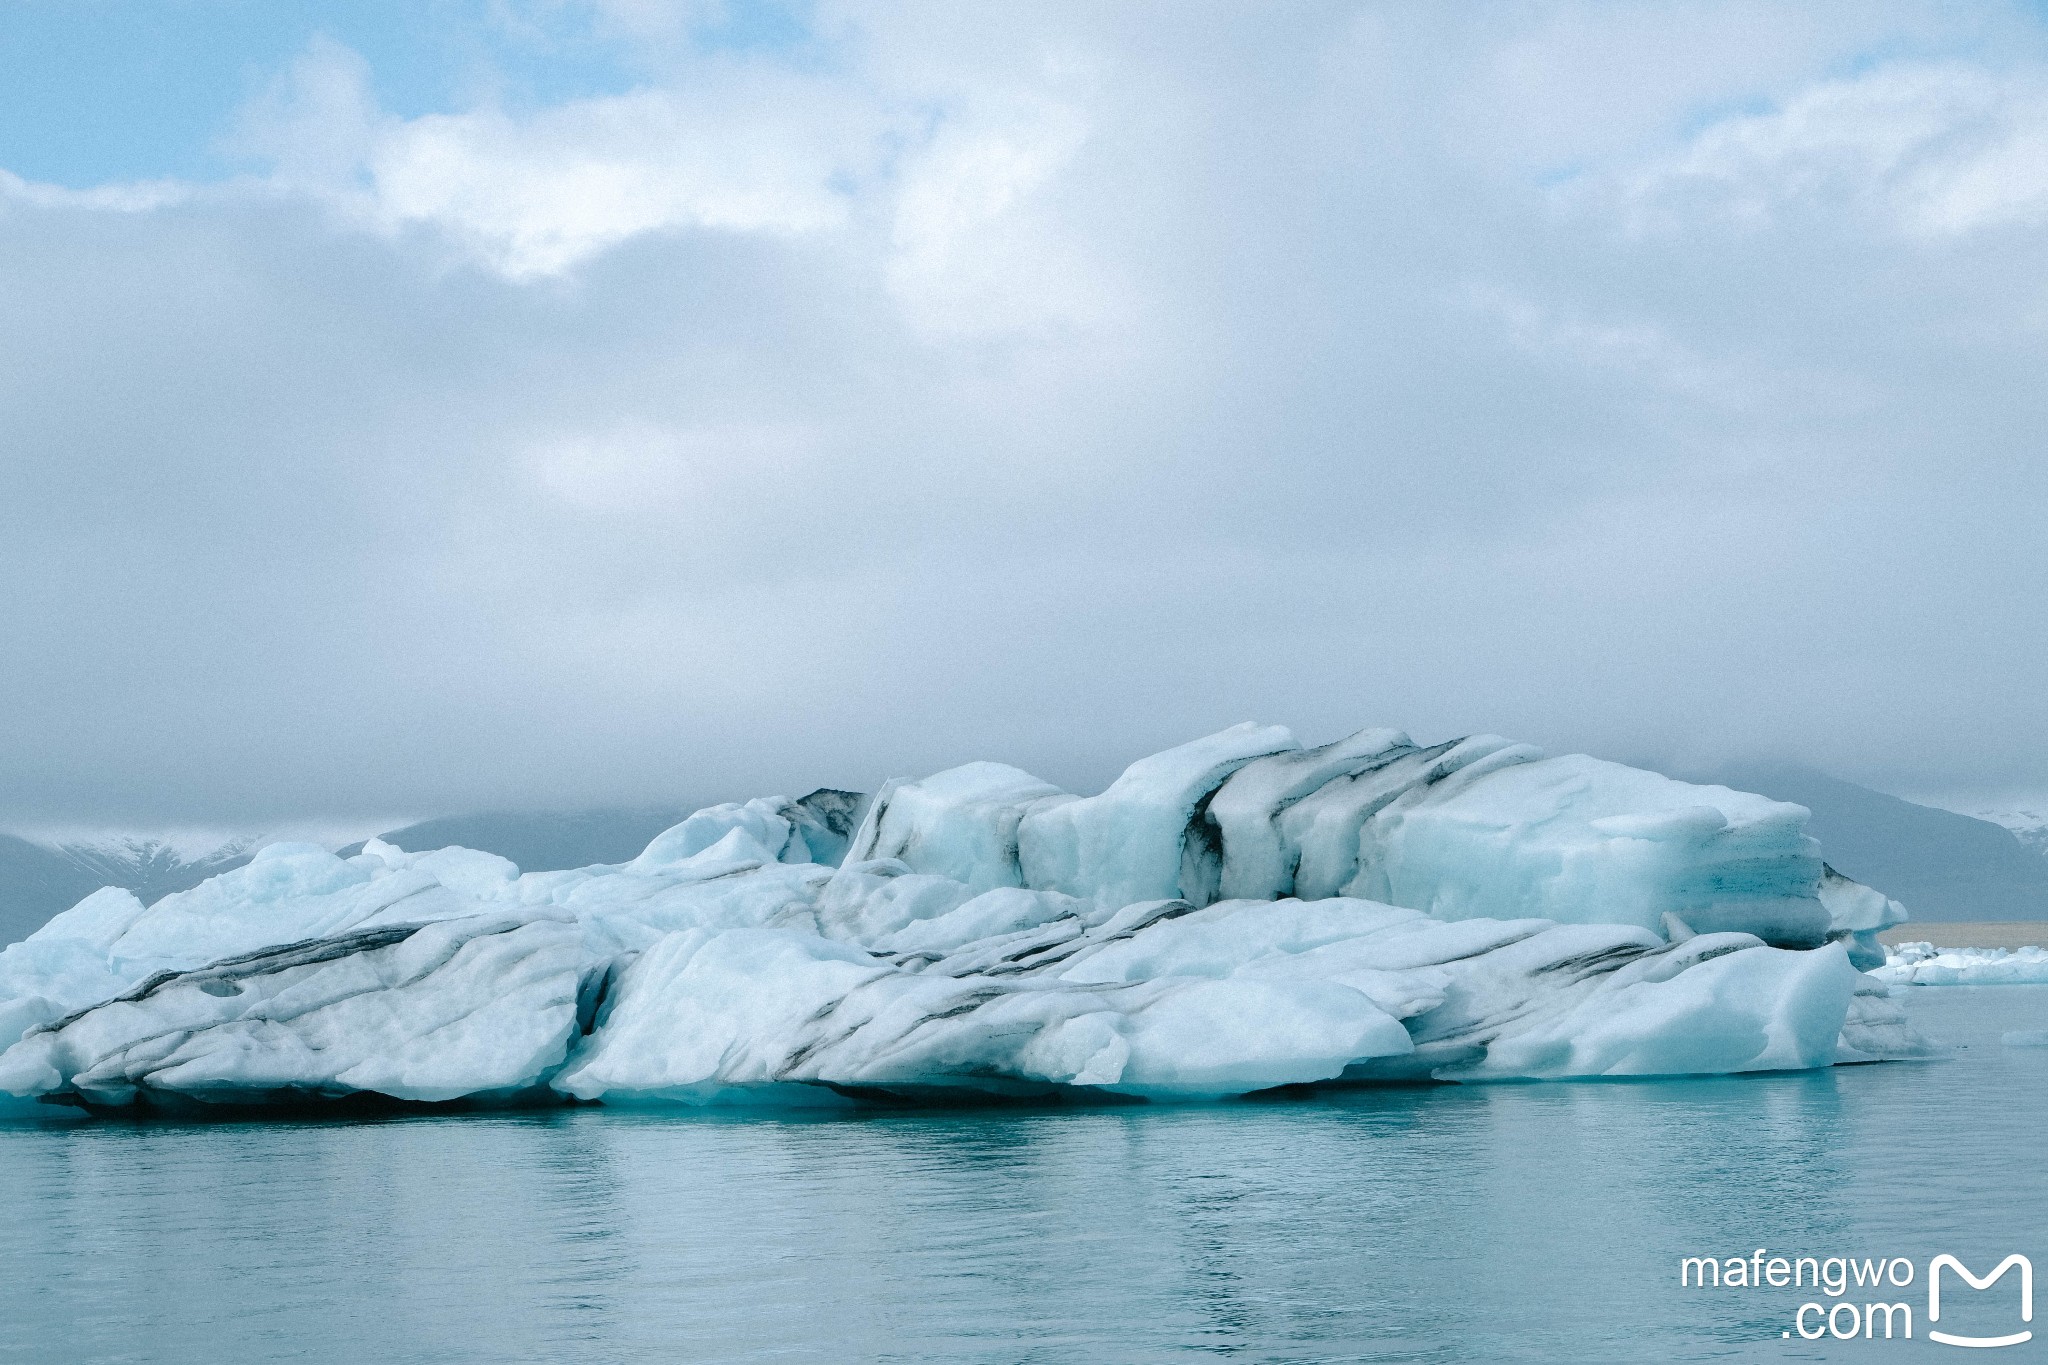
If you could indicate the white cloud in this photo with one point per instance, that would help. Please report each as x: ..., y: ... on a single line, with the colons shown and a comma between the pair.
x: 974, y: 252
x: 1933, y: 150
x: 948, y: 190
x: 538, y: 198
x: 138, y: 196
x: 643, y: 470
x: 945, y: 181
x: 743, y: 150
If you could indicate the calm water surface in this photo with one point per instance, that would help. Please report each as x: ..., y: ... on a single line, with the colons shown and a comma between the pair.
x: 1453, y: 1223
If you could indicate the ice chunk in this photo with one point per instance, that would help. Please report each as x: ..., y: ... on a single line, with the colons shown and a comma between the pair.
x: 1477, y: 827
x: 1856, y: 916
x: 1877, y: 1029
x: 993, y: 914
x: 1320, y: 832
x: 288, y: 892
x: 1191, y: 1040
x: 765, y: 830
x: 870, y: 901
x: 1256, y: 859
x: 703, y: 1018
x: 1923, y: 964
x: 824, y: 821
x: 1585, y: 841
x: 1716, y: 1003
x: 98, y: 920
x: 1169, y: 1000
x: 755, y: 830
x: 1132, y: 842
x: 961, y: 823
x: 470, y: 1007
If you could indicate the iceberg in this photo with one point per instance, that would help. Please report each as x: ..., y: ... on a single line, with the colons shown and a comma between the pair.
x: 1923, y: 964
x: 1237, y: 914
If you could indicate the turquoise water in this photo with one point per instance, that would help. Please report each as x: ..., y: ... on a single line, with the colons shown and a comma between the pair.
x: 1451, y: 1223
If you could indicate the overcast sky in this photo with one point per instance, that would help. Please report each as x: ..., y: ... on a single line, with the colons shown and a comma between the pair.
x: 537, y: 403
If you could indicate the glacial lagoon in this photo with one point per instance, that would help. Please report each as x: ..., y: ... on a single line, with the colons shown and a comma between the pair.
x: 1537, y: 1221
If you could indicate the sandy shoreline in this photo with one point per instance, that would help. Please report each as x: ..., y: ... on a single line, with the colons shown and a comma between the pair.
x: 1976, y: 934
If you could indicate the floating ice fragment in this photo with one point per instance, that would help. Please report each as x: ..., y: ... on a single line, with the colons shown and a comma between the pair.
x: 1923, y: 964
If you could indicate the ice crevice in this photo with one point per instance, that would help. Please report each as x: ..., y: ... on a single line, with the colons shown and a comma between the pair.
x: 1237, y: 914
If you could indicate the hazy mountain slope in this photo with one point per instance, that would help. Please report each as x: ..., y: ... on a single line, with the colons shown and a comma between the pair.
x: 1940, y: 865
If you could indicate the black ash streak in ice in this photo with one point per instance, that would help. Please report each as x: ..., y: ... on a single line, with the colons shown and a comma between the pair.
x: 1233, y: 915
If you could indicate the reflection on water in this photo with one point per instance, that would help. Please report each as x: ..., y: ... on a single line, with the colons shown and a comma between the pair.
x: 1510, y: 1222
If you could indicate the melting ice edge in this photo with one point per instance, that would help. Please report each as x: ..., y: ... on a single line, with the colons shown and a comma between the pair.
x: 1232, y: 915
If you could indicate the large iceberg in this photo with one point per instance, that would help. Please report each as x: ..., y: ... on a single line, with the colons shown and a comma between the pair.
x: 1233, y: 915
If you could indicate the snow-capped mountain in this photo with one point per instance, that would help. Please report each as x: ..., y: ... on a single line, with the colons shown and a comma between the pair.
x: 2028, y: 825
x: 152, y: 866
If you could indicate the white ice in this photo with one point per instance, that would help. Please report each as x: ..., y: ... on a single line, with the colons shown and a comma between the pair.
x: 1233, y: 915
x: 1923, y: 964
x: 1857, y: 915
x: 1478, y: 828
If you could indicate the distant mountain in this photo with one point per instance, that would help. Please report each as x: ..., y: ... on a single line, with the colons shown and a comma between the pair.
x: 1940, y: 865
x: 37, y: 879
